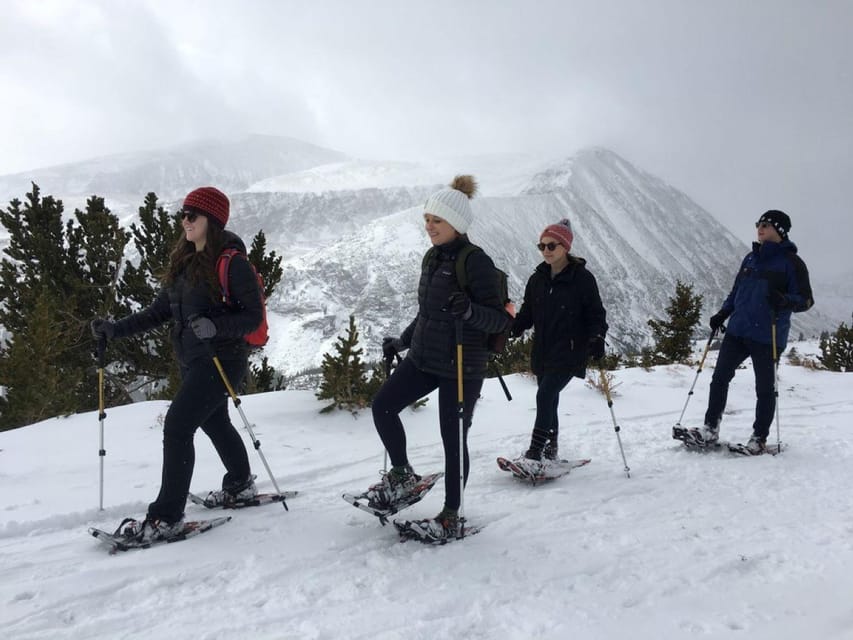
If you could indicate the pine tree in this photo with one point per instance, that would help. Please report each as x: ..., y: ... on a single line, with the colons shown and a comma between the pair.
x: 61, y: 270
x: 268, y: 266
x: 837, y: 349
x: 40, y: 381
x: 344, y: 380
x: 673, y: 336
x: 515, y: 357
x: 265, y: 378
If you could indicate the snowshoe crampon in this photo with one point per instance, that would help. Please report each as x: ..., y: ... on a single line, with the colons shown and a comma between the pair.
x: 361, y: 501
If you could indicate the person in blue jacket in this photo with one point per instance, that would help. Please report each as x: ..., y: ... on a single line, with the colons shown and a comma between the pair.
x: 772, y: 282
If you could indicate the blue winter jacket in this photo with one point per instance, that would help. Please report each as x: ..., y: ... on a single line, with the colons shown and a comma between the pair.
x: 751, y: 304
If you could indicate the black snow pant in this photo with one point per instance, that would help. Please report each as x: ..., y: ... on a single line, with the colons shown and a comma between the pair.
x: 202, y: 401
x: 408, y: 384
x: 733, y: 352
x: 547, y: 425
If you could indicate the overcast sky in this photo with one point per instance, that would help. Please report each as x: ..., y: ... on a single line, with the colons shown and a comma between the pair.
x: 744, y: 105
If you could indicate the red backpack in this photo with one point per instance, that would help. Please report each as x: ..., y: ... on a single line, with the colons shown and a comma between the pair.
x: 259, y: 337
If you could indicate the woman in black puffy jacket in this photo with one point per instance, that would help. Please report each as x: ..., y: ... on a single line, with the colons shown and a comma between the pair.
x: 202, y: 325
x: 431, y: 361
x: 562, y: 304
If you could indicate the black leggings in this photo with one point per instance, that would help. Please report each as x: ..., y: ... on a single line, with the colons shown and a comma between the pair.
x: 202, y: 401
x: 408, y: 384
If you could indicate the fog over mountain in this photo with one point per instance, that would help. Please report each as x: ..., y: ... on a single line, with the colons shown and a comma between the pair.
x: 351, y: 230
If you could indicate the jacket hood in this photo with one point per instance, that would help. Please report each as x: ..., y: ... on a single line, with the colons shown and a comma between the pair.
x: 233, y: 241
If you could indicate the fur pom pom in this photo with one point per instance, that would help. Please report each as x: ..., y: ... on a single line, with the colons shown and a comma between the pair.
x: 465, y: 184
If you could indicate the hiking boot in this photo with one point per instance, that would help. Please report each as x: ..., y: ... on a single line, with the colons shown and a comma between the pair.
x: 444, y: 525
x: 150, y: 529
x: 704, y: 435
x: 395, y: 485
x: 231, y: 494
x: 756, y: 446
x: 550, y: 452
x: 533, y: 454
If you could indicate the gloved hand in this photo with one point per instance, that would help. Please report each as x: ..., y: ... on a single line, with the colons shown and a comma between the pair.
x: 595, y: 347
x: 779, y: 301
x: 516, y: 332
x: 459, y: 305
x: 202, y: 327
x: 717, y: 320
x: 102, y: 329
x: 392, y: 346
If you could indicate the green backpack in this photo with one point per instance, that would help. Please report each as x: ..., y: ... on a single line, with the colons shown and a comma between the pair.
x: 497, y: 341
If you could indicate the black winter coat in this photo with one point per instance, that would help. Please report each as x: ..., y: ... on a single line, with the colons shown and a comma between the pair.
x: 183, y: 299
x: 565, y: 312
x: 431, y: 336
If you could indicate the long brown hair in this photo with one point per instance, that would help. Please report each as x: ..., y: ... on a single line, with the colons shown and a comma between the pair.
x: 198, y: 266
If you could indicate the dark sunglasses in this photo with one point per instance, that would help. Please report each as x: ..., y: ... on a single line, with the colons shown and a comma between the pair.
x: 189, y: 215
x: 762, y: 225
x: 550, y: 246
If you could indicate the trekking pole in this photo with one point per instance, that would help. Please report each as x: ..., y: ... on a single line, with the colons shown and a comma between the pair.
x: 775, y: 377
x: 698, y: 371
x: 605, y: 384
x: 460, y: 407
x: 102, y: 348
x: 494, y: 368
x: 255, y: 441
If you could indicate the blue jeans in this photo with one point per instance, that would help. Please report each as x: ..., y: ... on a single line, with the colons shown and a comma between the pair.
x: 733, y: 352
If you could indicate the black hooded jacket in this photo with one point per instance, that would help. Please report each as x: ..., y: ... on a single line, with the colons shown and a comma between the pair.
x: 565, y: 312
x: 431, y: 336
x: 183, y: 299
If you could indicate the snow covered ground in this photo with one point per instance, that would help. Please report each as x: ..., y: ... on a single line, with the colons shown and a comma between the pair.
x: 691, y: 546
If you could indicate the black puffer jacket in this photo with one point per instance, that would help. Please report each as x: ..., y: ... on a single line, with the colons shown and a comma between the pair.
x: 565, y: 312
x: 431, y: 337
x: 182, y: 299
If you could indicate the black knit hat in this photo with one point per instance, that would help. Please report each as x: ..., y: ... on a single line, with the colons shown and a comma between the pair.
x: 779, y: 220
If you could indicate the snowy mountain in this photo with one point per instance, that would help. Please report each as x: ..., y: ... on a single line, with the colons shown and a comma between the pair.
x: 638, y: 235
x: 350, y: 230
x: 124, y: 179
x: 690, y: 546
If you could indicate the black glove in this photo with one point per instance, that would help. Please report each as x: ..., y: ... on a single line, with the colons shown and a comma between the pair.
x: 392, y: 346
x: 103, y: 329
x: 717, y: 320
x: 459, y: 305
x: 202, y: 327
x: 595, y: 347
x: 779, y: 301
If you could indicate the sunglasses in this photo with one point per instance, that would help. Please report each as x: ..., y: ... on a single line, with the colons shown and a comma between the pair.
x: 762, y: 225
x: 550, y: 246
x: 188, y: 215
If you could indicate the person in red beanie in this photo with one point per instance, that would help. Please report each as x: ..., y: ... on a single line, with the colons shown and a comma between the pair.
x: 202, y: 325
x: 562, y: 304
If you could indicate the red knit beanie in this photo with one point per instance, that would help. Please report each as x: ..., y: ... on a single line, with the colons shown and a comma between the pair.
x: 210, y: 201
x: 560, y: 231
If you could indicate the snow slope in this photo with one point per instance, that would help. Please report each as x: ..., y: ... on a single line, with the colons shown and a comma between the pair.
x: 691, y: 546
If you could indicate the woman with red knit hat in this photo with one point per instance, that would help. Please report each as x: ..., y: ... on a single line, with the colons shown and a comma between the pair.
x: 562, y: 304
x: 202, y: 326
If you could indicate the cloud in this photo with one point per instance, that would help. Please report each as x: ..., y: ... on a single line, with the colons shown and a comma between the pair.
x: 745, y: 106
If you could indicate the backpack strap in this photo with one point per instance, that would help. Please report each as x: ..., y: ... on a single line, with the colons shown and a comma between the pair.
x: 461, y: 258
x: 223, y: 264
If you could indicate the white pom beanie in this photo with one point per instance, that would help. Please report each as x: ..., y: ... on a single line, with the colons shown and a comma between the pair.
x: 453, y: 203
